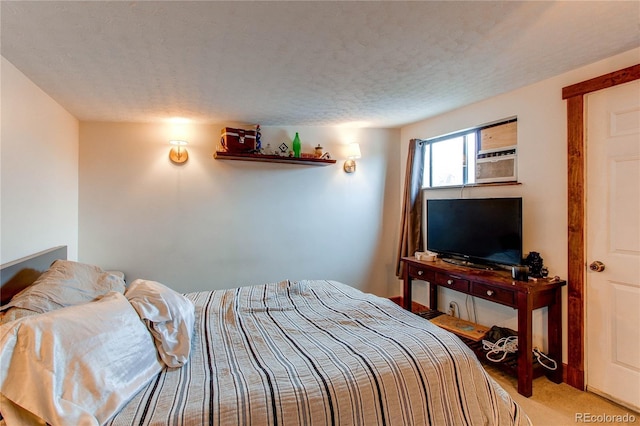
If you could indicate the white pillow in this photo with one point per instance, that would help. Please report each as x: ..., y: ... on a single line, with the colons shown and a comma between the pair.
x: 169, y: 315
x: 76, y: 365
x: 66, y: 283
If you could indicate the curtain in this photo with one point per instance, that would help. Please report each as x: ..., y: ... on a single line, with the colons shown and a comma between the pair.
x: 411, y: 221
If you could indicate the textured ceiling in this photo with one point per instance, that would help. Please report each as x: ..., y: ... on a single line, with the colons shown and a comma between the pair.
x: 382, y: 64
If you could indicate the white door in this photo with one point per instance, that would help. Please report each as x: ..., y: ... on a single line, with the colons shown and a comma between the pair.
x: 613, y: 238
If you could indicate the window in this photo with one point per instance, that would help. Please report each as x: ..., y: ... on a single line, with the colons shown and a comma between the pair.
x: 450, y: 160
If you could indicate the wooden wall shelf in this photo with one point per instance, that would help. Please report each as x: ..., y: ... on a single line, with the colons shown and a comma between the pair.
x: 221, y: 155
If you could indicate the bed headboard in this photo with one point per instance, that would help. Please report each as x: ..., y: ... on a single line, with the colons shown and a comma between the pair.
x: 21, y: 273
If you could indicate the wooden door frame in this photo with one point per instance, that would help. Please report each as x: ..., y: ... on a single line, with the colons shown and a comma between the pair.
x: 576, y: 168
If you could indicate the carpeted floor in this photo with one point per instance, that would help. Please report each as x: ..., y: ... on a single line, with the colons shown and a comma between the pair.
x: 560, y: 404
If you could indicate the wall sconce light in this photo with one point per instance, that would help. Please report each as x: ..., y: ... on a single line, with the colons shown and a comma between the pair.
x: 353, y: 152
x: 178, y: 153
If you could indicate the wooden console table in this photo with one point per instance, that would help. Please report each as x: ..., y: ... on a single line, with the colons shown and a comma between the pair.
x: 499, y: 287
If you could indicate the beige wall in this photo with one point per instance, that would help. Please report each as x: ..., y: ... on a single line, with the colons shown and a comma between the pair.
x: 542, y: 172
x: 38, y: 169
x: 218, y: 224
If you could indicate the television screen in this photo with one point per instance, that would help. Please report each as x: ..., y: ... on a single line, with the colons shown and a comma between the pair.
x: 479, y: 230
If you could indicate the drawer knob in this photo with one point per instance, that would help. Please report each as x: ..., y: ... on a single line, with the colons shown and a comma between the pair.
x: 449, y: 282
x: 490, y: 292
x: 420, y: 272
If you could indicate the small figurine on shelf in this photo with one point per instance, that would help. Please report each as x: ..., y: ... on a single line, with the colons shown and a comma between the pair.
x: 318, y: 151
x: 258, y: 140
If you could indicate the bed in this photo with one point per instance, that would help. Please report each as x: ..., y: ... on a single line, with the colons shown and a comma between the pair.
x: 287, y: 353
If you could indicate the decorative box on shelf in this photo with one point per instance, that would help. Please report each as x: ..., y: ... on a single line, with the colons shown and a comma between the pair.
x: 237, y: 140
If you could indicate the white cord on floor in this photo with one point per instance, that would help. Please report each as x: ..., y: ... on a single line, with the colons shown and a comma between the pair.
x: 506, y: 345
x: 473, y: 310
x: 539, y: 355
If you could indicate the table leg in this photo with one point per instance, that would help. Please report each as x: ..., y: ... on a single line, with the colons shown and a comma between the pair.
x: 554, y: 330
x: 406, y: 290
x: 525, y: 354
x: 433, y: 296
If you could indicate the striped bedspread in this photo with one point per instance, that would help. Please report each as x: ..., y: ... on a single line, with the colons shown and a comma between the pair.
x: 319, y: 353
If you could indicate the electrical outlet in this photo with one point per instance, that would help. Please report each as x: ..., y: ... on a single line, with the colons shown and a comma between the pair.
x: 452, y: 309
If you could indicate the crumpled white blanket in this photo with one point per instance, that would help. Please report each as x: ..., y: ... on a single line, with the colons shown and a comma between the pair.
x: 77, y: 365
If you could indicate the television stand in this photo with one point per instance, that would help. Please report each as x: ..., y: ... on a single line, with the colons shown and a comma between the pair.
x: 499, y: 287
x: 462, y: 262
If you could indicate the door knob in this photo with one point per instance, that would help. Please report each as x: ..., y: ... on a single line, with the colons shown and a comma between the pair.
x: 596, y: 266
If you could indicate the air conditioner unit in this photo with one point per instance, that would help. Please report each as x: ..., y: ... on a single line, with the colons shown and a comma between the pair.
x: 497, y: 165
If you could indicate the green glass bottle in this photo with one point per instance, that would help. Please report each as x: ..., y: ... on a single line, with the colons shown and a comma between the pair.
x: 296, y: 146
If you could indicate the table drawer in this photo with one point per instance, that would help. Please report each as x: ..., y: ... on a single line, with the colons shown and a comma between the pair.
x: 452, y: 282
x: 419, y: 273
x: 496, y: 294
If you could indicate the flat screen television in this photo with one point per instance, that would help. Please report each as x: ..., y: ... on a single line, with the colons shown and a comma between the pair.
x: 481, y: 231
